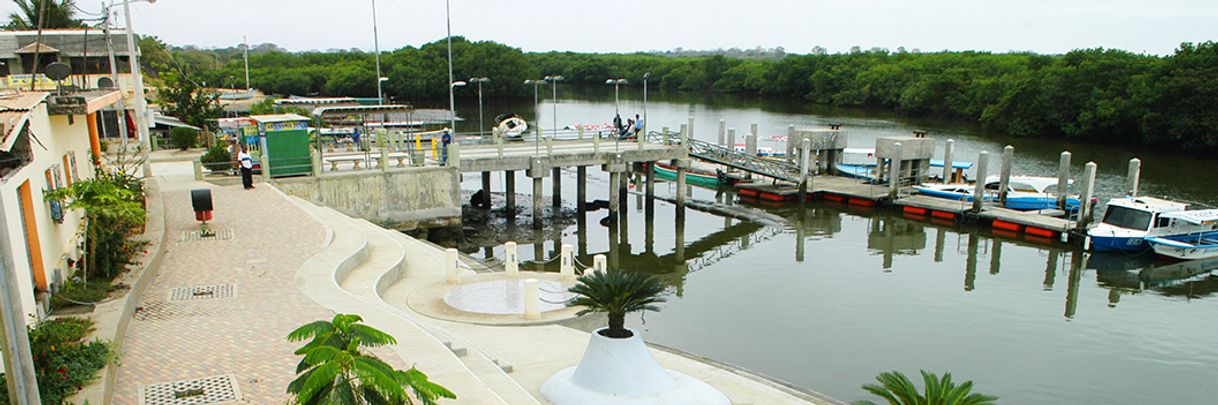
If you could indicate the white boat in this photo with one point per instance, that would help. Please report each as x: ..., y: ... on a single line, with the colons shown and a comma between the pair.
x: 1189, y: 235
x: 1024, y: 193
x: 511, y: 126
x: 1128, y: 221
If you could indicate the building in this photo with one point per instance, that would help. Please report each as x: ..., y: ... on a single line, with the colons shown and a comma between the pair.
x: 47, y: 142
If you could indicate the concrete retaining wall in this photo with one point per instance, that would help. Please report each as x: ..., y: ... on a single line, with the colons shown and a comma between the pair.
x: 403, y: 199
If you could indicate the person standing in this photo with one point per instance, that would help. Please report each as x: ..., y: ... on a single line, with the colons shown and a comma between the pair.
x: 638, y: 125
x: 445, y: 139
x: 355, y: 140
x: 247, y: 168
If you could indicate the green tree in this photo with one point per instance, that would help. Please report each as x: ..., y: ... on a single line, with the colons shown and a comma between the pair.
x: 59, y: 14
x: 337, y: 369
x: 186, y: 100
x: 617, y: 293
x: 897, y: 389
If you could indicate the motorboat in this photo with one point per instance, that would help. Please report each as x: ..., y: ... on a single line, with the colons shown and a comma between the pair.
x: 1128, y: 221
x: 1189, y: 235
x: 699, y: 175
x: 511, y: 126
x: 1024, y: 193
x: 958, y: 192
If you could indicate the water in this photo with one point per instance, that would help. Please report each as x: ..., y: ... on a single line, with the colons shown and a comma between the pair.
x: 841, y: 293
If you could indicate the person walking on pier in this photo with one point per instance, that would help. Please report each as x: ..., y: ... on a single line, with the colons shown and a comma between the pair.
x: 247, y: 168
x: 445, y: 139
x: 638, y: 126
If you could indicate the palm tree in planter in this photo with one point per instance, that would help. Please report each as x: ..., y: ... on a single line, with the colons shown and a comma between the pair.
x: 618, y: 368
x: 897, y: 389
x: 617, y: 293
x: 336, y: 369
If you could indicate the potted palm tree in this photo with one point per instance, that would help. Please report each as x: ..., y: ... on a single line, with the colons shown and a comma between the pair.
x: 897, y: 389
x: 617, y: 367
x: 336, y: 368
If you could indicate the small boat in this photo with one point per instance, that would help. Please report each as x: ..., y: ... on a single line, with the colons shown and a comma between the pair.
x: 1189, y: 235
x: 1128, y: 221
x: 762, y: 151
x: 958, y: 192
x: 1024, y: 193
x: 693, y: 176
x: 511, y: 126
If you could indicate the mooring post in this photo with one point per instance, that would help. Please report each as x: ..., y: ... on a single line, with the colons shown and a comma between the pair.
x: 681, y: 165
x: 580, y: 130
x: 894, y: 171
x: 750, y: 143
x: 509, y: 191
x: 451, y: 266
x: 486, y: 190
x: 790, y: 158
x: 600, y: 263
x: 1004, y: 176
x: 567, y: 262
x: 596, y: 141
x: 532, y: 299
x: 683, y: 135
x: 556, y: 178
x: 581, y: 187
x: 983, y: 165
x: 731, y: 140
x: 664, y: 135
x: 752, y: 132
x: 947, y: 161
x: 805, y: 148
x: 722, y: 132
x: 1132, y: 176
x: 511, y: 263
x: 1063, y: 180
x: 689, y: 130
x: 1085, y: 205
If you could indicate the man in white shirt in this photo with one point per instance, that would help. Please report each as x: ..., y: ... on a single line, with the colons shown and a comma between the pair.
x: 247, y: 168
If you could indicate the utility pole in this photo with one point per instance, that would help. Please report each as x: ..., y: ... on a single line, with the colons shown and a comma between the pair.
x: 376, y: 47
x: 452, y: 101
x: 245, y: 41
x: 118, y: 105
x: 18, y: 360
x: 141, y: 105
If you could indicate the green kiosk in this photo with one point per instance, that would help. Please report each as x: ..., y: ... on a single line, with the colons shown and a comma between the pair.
x: 285, y: 143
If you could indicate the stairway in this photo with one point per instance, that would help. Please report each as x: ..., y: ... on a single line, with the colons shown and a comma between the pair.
x: 728, y: 156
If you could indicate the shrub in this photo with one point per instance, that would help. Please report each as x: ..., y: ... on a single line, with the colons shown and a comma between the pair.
x: 897, y: 389
x: 76, y: 292
x: 63, y: 361
x: 217, y: 159
x: 183, y: 138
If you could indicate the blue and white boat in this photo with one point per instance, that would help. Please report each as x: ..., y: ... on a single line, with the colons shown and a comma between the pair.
x: 1128, y: 221
x: 1026, y: 193
x: 1189, y: 235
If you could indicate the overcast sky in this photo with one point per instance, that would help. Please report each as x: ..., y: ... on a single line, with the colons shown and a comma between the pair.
x: 1046, y: 26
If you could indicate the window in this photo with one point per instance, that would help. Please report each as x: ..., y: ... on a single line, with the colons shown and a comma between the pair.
x: 1128, y: 218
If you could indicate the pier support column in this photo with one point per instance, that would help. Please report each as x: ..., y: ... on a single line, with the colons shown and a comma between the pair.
x: 722, y: 131
x: 581, y: 187
x: 616, y: 168
x: 983, y: 165
x: 681, y: 165
x: 1063, y: 180
x: 1085, y: 204
x: 1004, y: 175
x: 537, y: 172
x: 509, y: 191
x: 486, y: 190
x: 651, y: 186
x: 894, y: 171
x: 947, y: 161
x: 556, y: 177
x: 1132, y: 176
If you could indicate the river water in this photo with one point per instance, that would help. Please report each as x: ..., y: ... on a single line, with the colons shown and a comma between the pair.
x: 839, y: 294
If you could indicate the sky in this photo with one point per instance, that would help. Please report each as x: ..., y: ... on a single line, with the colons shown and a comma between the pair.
x: 1044, y: 26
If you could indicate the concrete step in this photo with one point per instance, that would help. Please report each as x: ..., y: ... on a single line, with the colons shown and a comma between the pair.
x: 385, y: 255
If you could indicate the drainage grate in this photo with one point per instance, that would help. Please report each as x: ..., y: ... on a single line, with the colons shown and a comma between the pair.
x: 203, y: 292
x: 215, y: 234
x: 209, y: 390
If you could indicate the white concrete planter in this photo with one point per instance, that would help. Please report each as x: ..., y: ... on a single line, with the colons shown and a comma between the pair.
x: 623, y: 371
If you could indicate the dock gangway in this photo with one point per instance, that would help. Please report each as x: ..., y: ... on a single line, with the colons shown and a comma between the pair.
x: 710, y: 152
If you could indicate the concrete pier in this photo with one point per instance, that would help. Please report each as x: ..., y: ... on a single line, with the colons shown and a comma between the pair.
x: 581, y: 187
x: 1085, y: 213
x: 556, y: 178
x: 681, y: 165
x: 1063, y: 179
x: 947, y: 161
x: 983, y: 165
x: 486, y: 189
x: 1004, y: 175
x: 509, y: 190
x: 537, y: 171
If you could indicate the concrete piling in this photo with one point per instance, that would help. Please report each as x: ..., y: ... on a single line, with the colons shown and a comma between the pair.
x: 689, y: 130
x: 581, y: 187
x: 451, y: 267
x: 1063, y: 179
x: 509, y: 190
x: 983, y: 165
x: 614, y: 178
x: 722, y: 132
x: 753, y: 132
x: 731, y: 139
x: 664, y: 135
x: 947, y: 161
x: 1004, y: 175
x: 681, y: 165
x: 894, y: 172
x: 537, y: 201
x: 486, y: 189
x: 511, y: 262
x: 805, y: 148
x: 790, y: 158
x: 556, y: 178
x: 1132, y: 176
x: 532, y: 299
x: 1086, y: 206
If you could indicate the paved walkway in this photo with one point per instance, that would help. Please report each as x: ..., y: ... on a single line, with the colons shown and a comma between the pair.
x: 242, y: 336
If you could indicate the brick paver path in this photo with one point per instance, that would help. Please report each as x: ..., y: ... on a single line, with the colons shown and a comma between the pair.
x: 242, y: 336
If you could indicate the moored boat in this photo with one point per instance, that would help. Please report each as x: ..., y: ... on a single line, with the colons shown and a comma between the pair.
x: 511, y: 126
x: 1189, y: 235
x: 693, y: 176
x: 1025, y: 193
x: 1128, y: 221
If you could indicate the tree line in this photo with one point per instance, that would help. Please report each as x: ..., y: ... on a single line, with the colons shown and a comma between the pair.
x: 1103, y: 95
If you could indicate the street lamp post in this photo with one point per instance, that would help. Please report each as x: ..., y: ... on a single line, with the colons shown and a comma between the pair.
x: 537, y: 112
x: 554, y: 79
x: 451, y: 89
x: 645, y: 76
x: 479, y: 81
x: 617, y: 104
x: 452, y: 102
x: 141, y: 105
x: 376, y: 47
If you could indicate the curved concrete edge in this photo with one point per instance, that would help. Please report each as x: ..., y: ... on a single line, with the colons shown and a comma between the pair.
x: 428, y: 300
x: 112, y: 318
x: 806, y: 394
x: 562, y: 390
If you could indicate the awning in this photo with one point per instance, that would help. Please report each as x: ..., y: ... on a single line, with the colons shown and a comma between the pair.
x: 14, y: 113
x: 172, y: 122
x: 342, y: 111
x: 1199, y: 217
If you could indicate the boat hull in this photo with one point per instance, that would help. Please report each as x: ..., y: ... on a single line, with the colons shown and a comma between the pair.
x: 1119, y: 244
x: 691, y: 177
x: 1186, y: 247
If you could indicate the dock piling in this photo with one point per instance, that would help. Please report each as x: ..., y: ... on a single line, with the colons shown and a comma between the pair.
x: 1085, y: 204
x: 664, y: 135
x: 511, y: 263
x: 790, y: 158
x: 581, y: 187
x: 722, y: 131
x: 983, y: 165
x: 895, y: 172
x: 947, y: 161
x: 805, y: 152
x: 1132, y: 177
x: 681, y: 165
x: 1004, y: 175
x: 486, y: 190
x: 753, y: 132
x: 1063, y: 180
x: 537, y: 172
x: 731, y: 139
x: 689, y: 130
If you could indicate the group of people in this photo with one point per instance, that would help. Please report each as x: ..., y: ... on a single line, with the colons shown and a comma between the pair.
x: 631, y: 129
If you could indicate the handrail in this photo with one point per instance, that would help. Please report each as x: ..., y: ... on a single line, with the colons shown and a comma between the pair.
x: 703, y: 150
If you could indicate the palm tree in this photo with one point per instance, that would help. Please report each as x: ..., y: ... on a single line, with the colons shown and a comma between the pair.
x: 336, y: 369
x: 59, y: 14
x: 617, y: 293
x: 896, y: 388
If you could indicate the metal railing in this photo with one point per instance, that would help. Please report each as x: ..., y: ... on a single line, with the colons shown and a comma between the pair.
x: 703, y: 150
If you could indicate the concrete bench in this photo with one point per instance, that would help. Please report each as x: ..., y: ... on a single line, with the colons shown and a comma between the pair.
x: 335, y: 161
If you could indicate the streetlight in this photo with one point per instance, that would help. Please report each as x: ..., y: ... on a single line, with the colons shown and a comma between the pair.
x: 376, y: 47
x: 645, y: 76
x: 479, y: 80
x: 452, y: 101
x: 453, y: 111
x: 141, y: 105
x: 554, y: 79
x: 536, y: 111
x: 616, y: 101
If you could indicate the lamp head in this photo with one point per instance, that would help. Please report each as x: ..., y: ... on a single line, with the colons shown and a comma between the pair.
x: 458, y: 83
